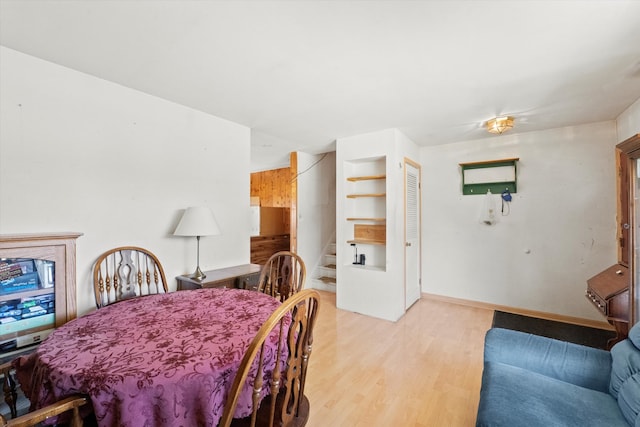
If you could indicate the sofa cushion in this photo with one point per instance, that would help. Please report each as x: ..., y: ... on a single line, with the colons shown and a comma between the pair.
x: 512, y: 396
x: 629, y: 399
x: 634, y: 335
x: 625, y: 379
x: 577, y: 364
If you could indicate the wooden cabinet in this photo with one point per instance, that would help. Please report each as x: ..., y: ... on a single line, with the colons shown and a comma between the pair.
x: 609, y: 292
x: 44, y: 300
x: 262, y: 247
x: 241, y: 277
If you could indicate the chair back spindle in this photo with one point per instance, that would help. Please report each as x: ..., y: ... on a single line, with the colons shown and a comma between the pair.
x: 284, y: 403
x: 127, y: 272
x: 283, y: 275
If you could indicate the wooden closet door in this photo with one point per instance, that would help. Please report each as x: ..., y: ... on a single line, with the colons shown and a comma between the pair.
x: 623, y: 165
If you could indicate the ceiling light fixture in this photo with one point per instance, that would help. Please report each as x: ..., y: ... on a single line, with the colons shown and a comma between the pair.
x: 500, y: 125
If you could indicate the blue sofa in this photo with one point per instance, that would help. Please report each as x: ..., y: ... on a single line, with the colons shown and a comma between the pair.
x: 529, y: 380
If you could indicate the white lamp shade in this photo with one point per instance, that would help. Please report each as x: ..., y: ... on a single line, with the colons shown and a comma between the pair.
x: 197, y: 221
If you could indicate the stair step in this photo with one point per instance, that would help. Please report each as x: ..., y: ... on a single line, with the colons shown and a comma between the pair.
x: 325, y: 273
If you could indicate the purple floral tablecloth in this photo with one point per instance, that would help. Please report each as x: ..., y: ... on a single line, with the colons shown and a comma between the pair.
x: 159, y: 360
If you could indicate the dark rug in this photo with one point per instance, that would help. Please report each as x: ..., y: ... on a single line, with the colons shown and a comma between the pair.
x: 592, y: 337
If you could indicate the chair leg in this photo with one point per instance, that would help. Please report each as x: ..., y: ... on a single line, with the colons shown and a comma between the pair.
x: 10, y: 394
x: 76, y: 419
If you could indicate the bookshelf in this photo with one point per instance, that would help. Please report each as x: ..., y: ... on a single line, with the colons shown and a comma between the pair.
x: 366, y: 209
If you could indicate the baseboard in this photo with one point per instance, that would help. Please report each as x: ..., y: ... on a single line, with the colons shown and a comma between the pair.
x: 532, y: 313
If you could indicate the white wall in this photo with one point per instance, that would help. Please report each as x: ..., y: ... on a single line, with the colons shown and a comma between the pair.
x: 377, y: 292
x: 316, y: 207
x: 78, y: 153
x: 628, y: 123
x: 560, y: 231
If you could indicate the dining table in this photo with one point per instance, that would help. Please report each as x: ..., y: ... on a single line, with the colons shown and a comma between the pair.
x: 158, y: 360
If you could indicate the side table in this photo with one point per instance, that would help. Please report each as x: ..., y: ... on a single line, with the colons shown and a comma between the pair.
x: 240, y: 276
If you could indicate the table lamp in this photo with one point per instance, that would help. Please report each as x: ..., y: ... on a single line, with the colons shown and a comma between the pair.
x: 197, y: 221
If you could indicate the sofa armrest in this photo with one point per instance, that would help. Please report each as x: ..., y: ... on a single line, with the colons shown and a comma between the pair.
x: 577, y: 364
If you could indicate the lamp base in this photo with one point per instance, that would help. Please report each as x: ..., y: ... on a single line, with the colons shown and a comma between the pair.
x: 198, y: 275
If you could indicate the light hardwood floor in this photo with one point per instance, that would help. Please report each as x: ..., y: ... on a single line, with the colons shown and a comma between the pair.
x: 423, y: 370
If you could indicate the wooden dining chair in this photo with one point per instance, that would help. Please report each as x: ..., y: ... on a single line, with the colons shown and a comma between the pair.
x: 34, y: 418
x: 127, y: 272
x: 283, y: 275
x: 285, y: 403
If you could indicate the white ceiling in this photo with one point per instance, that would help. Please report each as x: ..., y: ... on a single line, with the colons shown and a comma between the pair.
x: 303, y: 73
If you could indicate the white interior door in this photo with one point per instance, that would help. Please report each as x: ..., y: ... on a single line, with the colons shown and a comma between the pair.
x: 412, y: 232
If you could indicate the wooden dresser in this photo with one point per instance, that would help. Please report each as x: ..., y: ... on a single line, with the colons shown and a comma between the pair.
x: 609, y: 293
x: 240, y: 276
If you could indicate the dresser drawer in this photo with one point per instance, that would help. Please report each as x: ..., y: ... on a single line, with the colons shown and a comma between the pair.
x: 227, y: 283
x: 607, y: 287
x: 184, y: 285
x: 249, y: 281
x: 597, y: 301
